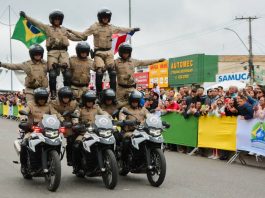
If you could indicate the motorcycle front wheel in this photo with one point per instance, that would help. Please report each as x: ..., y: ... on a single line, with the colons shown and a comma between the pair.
x: 53, y: 177
x: 110, y: 175
x: 157, y: 175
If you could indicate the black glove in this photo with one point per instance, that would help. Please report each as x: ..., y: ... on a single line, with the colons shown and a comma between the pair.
x: 66, y: 124
x: 136, y: 29
x: 161, y: 59
x: 22, y: 14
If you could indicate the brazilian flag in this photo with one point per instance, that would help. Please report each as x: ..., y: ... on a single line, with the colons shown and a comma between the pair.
x: 28, y: 33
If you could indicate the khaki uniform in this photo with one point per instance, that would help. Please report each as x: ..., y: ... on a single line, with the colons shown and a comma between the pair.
x: 36, y: 113
x: 59, y: 108
x: 110, y: 108
x: 57, y: 42
x: 36, y: 75
x: 102, y: 42
x: 126, y: 82
x: 140, y: 113
x: 89, y: 115
x: 80, y: 69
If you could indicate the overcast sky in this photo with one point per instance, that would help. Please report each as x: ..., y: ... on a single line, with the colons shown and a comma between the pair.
x: 169, y: 28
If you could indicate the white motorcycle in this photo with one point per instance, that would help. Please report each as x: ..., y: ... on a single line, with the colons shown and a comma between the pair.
x: 144, y: 153
x: 44, y: 150
x: 97, y: 152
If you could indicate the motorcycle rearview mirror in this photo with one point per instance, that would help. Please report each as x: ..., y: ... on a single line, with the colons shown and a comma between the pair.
x: 25, y: 126
x: 23, y: 112
x: 165, y: 124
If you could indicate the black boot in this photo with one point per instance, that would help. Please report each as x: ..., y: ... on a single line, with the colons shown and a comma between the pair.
x: 99, y: 77
x: 77, y: 157
x: 52, y: 82
x: 112, y: 77
x: 69, y: 148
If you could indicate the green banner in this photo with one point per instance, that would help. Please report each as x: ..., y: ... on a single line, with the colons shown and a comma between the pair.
x: 182, y: 131
x: 1, y: 108
x: 15, y: 111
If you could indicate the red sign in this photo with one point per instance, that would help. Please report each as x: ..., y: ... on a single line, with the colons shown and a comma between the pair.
x: 142, y: 78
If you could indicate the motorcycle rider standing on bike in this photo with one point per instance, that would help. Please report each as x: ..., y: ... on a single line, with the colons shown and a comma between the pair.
x: 35, y: 69
x: 35, y: 110
x: 125, y: 67
x: 66, y: 103
x: 57, y: 43
x: 80, y: 66
x: 138, y: 114
x: 104, y: 58
x: 87, y: 115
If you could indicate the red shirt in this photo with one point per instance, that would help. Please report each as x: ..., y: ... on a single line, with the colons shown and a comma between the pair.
x: 173, y: 106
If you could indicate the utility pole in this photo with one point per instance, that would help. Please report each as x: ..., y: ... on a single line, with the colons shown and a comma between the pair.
x: 10, y: 45
x: 250, y: 59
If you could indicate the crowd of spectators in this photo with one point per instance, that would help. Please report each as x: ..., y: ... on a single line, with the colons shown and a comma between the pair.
x: 190, y: 101
x: 11, y: 99
x: 247, y: 103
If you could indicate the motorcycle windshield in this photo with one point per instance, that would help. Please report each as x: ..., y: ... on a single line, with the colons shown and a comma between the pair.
x: 103, y: 122
x: 153, y: 121
x: 50, y: 122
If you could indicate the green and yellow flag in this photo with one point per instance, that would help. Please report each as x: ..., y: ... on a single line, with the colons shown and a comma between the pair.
x: 28, y: 33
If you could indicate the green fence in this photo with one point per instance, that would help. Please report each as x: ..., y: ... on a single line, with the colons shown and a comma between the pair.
x: 1, y: 108
x: 182, y: 131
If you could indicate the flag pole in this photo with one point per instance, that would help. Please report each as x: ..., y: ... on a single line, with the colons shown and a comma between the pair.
x: 10, y: 45
x: 130, y: 17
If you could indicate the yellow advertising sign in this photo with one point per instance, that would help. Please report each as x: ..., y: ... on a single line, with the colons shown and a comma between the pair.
x: 158, y: 73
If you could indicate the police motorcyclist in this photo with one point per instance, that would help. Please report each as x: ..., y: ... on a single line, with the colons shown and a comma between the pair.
x: 66, y: 104
x: 87, y: 115
x: 125, y: 67
x: 108, y: 101
x: 138, y: 114
x: 35, y: 69
x: 104, y: 58
x: 35, y: 110
x: 80, y: 66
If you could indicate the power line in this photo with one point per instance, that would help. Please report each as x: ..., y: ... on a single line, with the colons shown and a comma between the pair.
x: 191, y: 35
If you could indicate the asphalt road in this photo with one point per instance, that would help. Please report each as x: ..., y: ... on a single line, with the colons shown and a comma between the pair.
x: 187, y: 176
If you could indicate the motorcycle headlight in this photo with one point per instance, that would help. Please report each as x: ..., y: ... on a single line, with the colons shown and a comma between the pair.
x: 155, y: 132
x: 52, y: 134
x: 105, y: 133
